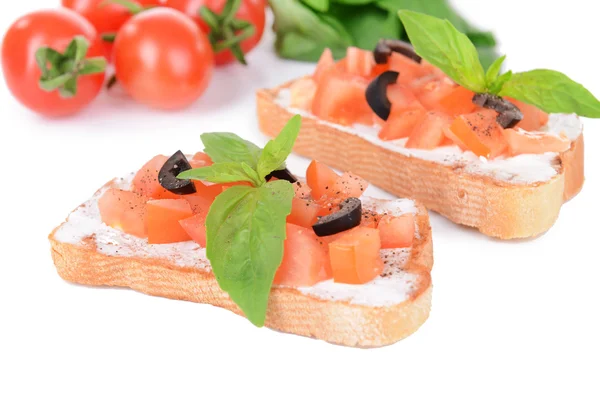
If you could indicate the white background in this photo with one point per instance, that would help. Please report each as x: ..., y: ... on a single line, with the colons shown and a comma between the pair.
x: 509, y: 320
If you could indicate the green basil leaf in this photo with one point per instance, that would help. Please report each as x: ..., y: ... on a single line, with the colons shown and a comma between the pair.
x: 552, y: 92
x: 367, y: 24
x: 223, y: 147
x: 319, y: 5
x: 497, y: 85
x: 223, y: 173
x: 494, y: 70
x: 440, y: 43
x: 353, y: 2
x: 245, y: 235
x: 277, y: 150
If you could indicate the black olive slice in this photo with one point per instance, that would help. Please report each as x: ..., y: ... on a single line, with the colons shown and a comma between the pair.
x: 385, y: 47
x: 167, y: 177
x: 283, y: 174
x: 377, y: 94
x: 509, y: 115
x: 348, y: 217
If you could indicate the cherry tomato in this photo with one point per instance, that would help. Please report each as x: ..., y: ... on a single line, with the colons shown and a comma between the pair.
x: 55, y: 29
x: 163, y: 59
x: 106, y: 18
x: 252, y: 11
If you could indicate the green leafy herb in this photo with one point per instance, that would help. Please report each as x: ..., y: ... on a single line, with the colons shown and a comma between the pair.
x: 224, y: 172
x: 245, y: 235
x: 552, y: 92
x: 229, y: 147
x: 278, y: 149
x: 305, y: 28
x: 440, y: 43
x: 245, y: 226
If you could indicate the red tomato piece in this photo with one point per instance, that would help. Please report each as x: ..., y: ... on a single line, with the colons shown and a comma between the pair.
x: 325, y: 64
x: 359, y: 62
x: 202, y: 157
x: 55, y: 29
x: 320, y: 178
x: 304, y: 212
x: 124, y: 210
x: 533, y: 117
x: 204, y: 197
x: 431, y: 92
x: 347, y: 185
x: 302, y: 93
x: 302, y: 190
x: 304, y: 259
x: 409, y: 69
x: 429, y: 132
x: 524, y: 142
x: 162, y: 59
x: 341, y: 98
x: 146, y: 182
x: 402, y: 97
x: 396, y: 232
x: 163, y: 220
x: 480, y: 133
x: 458, y: 101
x: 354, y: 256
x: 195, y: 227
x: 401, y: 123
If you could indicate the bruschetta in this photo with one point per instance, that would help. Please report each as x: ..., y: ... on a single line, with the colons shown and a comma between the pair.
x: 349, y: 269
x: 494, y: 163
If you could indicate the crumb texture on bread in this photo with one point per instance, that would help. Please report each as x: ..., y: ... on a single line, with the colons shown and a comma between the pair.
x: 497, y: 208
x: 111, y: 258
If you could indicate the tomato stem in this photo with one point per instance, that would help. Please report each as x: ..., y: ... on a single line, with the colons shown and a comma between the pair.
x: 227, y: 32
x: 60, y: 71
x: 131, y: 6
x: 109, y: 37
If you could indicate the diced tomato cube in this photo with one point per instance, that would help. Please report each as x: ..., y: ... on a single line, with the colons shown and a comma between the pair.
x: 203, y: 158
x: 347, y: 185
x: 533, y: 117
x: 341, y: 98
x: 195, y: 227
x: 409, y: 69
x: 203, y: 198
x: 396, y: 232
x: 359, y: 62
x: 124, y: 210
x: 524, y: 142
x: 354, y: 256
x: 302, y: 93
x: 320, y: 178
x: 401, y: 123
x: 304, y: 212
x: 325, y: 64
x: 429, y: 132
x: 304, y: 259
x: 302, y: 190
x: 163, y: 220
x: 480, y: 133
x: 430, y: 93
x: 146, y: 183
x: 458, y: 101
x: 402, y: 97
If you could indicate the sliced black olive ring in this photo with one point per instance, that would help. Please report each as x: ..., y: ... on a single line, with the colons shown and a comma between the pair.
x: 167, y: 177
x: 377, y: 94
x: 348, y: 217
x: 283, y: 174
x: 509, y: 115
x: 385, y: 47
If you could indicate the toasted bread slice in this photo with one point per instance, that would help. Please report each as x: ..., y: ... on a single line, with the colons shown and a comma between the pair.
x: 379, y: 313
x: 497, y: 207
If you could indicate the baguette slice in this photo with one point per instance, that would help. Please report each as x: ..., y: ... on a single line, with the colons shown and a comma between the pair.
x: 392, y: 307
x: 497, y: 208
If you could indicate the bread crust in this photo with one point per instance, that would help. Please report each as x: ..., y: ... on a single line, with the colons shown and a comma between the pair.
x: 496, y: 208
x: 289, y: 310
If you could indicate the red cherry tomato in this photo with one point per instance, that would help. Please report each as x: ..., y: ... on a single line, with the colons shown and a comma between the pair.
x: 106, y: 18
x: 163, y: 59
x: 55, y: 29
x: 252, y: 11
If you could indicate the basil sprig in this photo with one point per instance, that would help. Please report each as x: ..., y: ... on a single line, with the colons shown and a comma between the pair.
x: 245, y: 226
x: 441, y: 44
